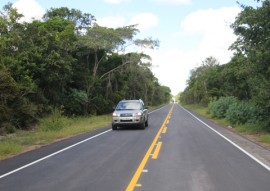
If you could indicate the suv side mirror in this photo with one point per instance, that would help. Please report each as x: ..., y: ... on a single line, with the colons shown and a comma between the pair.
x: 145, y: 107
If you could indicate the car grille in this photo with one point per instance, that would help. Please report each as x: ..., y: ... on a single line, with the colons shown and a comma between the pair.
x: 129, y: 120
x: 126, y: 115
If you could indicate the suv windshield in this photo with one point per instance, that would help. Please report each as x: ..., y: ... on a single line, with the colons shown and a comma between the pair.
x: 129, y: 106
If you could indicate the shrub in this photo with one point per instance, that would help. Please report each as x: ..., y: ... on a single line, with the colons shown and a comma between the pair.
x: 16, y: 109
x: 219, y: 107
x: 244, y: 112
x: 76, y: 103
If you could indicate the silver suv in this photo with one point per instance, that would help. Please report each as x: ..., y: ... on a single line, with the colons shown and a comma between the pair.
x: 130, y: 113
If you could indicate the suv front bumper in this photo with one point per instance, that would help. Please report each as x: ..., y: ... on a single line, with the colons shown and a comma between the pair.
x: 127, y: 121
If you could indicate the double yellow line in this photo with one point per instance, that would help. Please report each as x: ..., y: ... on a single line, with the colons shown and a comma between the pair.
x: 136, y: 176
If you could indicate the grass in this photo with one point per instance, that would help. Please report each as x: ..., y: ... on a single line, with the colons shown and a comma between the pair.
x: 258, y: 133
x: 250, y: 129
x: 9, y: 148
x: 265, y: 139
x: 50, y: 129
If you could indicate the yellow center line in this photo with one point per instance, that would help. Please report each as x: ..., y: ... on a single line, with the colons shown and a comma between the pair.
x: 164, y: 130
x: 156, y: 152
x: 139, y: 170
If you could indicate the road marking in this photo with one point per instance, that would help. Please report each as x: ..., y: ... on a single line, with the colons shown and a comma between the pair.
x: 156, y: 152
x: 234, y: 144
x: 55, y: 153
x: 140, y: 168
x: 164, y: 130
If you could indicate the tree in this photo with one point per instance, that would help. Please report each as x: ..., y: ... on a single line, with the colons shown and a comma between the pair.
x: 252, y: 28
x: 64, y: 62
x: 80, y: 20
x: 204, y: 83
x: 235, y: 75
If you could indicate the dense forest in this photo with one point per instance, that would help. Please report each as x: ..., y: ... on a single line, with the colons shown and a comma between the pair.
x: 239, y: 90
x: 67, y: 62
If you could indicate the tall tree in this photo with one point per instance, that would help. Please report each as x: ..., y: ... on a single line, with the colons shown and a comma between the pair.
x: 252, y: 28
x: 204, y: 83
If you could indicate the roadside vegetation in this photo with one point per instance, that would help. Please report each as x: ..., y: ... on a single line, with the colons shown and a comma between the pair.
x: 67, y: 62
x: 50, y: 129
x: 238, y: 92
x: 62, y: 75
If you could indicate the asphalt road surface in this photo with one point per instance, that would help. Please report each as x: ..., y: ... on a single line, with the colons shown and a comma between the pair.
x: 177, y: 152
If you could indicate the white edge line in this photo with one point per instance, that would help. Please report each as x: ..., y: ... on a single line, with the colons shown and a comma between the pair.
x: 55, y: 153
x: 234, y: 144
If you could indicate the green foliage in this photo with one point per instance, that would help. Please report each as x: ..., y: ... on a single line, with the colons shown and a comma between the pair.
x: 66, y: 60
x: 16, y: 110
x: 80, y: 20
x: 234, y: 77
x: 220, y: 107
x: 242, y: 112
x: 238, y: 113
x: 246, y: 76
x: 203, y: 84
x: 252, y: 28
x: 76, y: 103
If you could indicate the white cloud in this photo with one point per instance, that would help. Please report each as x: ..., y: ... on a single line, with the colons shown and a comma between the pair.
x: 175, y: 2
x: 112, y: 22
x: 145, y: 21
x: 210, y: 20
x: 115, y: 1
x: 212, y: 26
x: 172, y: 67
x: 30, y: 9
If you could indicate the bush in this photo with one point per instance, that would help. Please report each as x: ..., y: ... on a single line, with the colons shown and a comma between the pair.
x: 16, y: 109
x: 244, y: 112
x: 76, y: 103
x: 219, y: 107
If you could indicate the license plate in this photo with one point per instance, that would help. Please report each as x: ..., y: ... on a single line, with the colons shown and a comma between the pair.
x: 126, y: 118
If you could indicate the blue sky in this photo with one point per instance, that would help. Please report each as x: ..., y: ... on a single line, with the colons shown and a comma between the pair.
x: 188, y: 30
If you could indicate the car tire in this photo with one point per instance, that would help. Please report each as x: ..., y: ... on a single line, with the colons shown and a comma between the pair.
x: 146, y: 123
x: 143, y: 125
x: 114, y: 127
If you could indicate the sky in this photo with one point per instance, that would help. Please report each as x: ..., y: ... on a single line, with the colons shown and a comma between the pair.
x: 189, y: 31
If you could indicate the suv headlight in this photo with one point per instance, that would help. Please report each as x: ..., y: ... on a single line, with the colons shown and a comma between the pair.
x: 138, y: 114
x: 115, y: 114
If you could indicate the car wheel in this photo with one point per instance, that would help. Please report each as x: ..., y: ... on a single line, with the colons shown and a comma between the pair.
x: 114, y: 127
x: 146, y: 123
x: 143, y: 125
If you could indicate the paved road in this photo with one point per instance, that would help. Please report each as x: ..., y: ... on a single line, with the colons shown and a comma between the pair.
x: 176, y: 152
